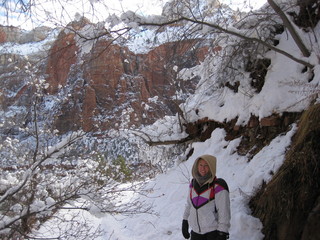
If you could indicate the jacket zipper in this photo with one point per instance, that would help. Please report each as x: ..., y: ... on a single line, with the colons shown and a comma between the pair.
x: 198, y: 221
x: 198, y: 216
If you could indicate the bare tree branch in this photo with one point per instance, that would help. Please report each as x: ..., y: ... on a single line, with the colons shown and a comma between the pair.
x: 231, y: 32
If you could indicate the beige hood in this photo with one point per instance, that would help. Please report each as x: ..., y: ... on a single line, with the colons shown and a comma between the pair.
x: 212, y: 162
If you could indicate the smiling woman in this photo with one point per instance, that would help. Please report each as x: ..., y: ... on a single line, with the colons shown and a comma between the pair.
x: 203, y: 167
x: 208, y: 204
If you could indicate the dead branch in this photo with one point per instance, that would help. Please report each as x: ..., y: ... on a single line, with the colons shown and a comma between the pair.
x: 234, y: 33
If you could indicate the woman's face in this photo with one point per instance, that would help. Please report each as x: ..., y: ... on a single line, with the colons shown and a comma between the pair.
x: 203, y: 167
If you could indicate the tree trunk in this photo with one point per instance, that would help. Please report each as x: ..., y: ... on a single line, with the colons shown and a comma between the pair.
x: 290, y: 28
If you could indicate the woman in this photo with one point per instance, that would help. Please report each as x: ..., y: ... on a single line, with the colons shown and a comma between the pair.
x: 208, y: 204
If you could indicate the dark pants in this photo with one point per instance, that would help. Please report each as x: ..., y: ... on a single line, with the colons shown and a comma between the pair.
x: 207, y: 236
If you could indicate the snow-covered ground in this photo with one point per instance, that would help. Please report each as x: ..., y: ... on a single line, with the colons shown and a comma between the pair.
x: 170, y: 192
x: 284, y: 90
x: 167, y: 194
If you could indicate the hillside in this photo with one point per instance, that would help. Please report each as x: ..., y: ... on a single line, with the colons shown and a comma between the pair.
x: 148, y: 106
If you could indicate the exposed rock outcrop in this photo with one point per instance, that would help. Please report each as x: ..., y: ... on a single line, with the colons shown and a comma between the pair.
x: 288, y: 205
x: 16, y: 35
x: 111, y: 85
x: 256, y: 134
x: 105, y: 87
x: 62, y: 55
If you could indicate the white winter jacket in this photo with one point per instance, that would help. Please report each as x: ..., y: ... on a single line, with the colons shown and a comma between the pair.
x: 208, y: 207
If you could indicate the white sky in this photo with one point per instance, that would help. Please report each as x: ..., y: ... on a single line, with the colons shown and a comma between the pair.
x: 65, y: 10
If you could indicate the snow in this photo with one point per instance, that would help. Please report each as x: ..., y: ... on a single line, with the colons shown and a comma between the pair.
x: 31, y: 47
x: 169, y: 190
x: 279, y: 93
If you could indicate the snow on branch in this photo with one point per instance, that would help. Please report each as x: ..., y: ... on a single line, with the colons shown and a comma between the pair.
x: 134, y: 21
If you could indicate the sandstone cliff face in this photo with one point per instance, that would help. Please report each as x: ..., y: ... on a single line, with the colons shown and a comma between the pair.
x: 16, y: 35
x: 62, y: 56
x: 111, y: 85
x: 108, y: 87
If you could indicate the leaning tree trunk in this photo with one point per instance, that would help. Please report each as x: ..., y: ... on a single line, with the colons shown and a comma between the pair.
x: 287, y: 23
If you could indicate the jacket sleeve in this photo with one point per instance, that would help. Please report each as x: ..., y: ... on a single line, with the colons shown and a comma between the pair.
x: 222, y: 201
x: 187, y: 208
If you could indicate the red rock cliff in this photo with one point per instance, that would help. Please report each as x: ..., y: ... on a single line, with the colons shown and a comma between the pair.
x: 112, y: 85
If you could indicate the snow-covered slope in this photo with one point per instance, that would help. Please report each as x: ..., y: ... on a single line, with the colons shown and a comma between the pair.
x: 286, y: 88
x: 167, y: 194
x: 170, y: 192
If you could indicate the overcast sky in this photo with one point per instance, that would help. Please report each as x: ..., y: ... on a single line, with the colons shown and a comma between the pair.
x: 97, y: 10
